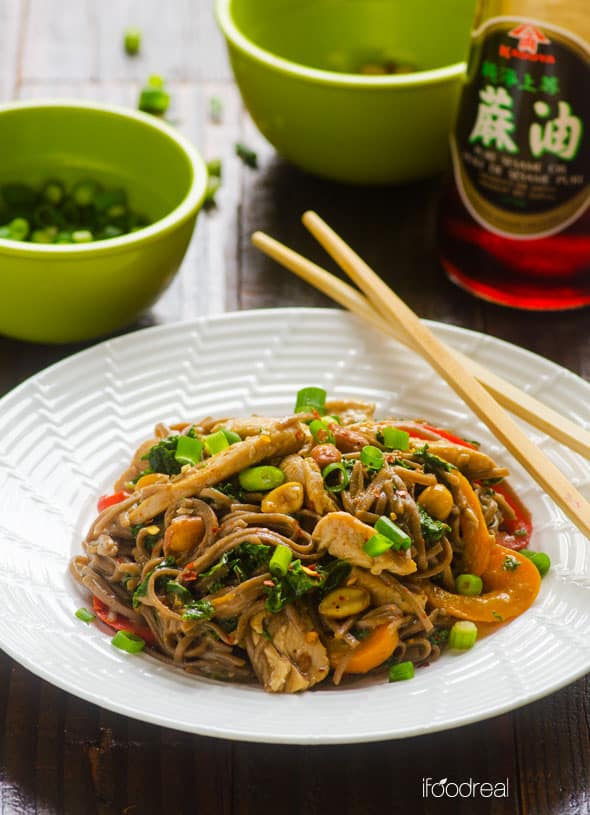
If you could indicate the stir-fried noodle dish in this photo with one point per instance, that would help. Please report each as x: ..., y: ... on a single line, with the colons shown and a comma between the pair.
x: 316, y: 547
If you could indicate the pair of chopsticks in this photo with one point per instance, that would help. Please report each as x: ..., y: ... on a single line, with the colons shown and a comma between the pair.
x: 482, y: 390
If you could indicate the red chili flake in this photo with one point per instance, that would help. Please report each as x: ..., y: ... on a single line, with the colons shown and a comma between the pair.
x: 188, y: 576
x: 313, y: 567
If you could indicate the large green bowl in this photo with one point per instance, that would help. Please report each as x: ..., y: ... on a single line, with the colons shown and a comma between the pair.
x: 62, y: 293
x: 294, y: 62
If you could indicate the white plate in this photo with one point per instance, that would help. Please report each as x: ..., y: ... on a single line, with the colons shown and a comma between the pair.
x: 67, y: 432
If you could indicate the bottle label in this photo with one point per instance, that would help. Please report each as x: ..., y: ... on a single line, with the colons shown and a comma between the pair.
x: 521, y: 146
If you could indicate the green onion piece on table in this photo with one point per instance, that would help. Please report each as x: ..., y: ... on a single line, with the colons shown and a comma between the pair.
x: 394, y: 439
x: 216, y: 442
x: 85, y: 615
x: 400, y: 539
x: 470, y: 585
x: 128, y: 641
x: 462, y: 635
x: 261, y: 479
x: 539, y: 559
x: 279, y: 562
x: 214, y: 167
x: 215, y: 109
x: 309, y: 399
x: 132, y: 41
x: 401, y: 671
x: 335, y: 477
x: 377, y: 545
x: 153, y: 97
x: 247, y: 155
x: 372, y: 457
x: 188, y: 451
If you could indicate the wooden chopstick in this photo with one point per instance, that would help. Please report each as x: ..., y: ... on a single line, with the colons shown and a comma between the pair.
x: 450, y: 368
x: 517, y: 401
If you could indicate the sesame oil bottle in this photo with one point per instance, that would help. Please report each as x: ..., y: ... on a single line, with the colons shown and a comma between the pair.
x: 515, y: 221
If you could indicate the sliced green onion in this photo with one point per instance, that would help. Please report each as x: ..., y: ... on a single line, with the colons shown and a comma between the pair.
x: 401, y: 671
x: 213, y: 185
x: 321, y: 432
x: 334, y: 418
x: 53, y: 192
x: 153, y: 98
x: 247, y: 155
x: 394, y: 439
x: 42, y: 236
x: 63, y: 236
x: 132, y: 41
x: 48, y: 215
x: 372, y: 457
x: 19, y: 229
x: 309, y: 399
x: 342, y: 479
x: 109, y: 198
x: 469, y: 584
x: 128, y: 641
x: 261, y: 479
x: 108, y: 232
x: 215, y: 109
x: 216, y: 442
x: 279, y: 562
x: 462, y: 635
x: 82, y: 236
x: 188, y: 451
x: 540, y: 560
x: 85, y: 615
x: 84, y: 193
x: 214, y: 167
x: 400, y: 539
x: 156, y: 81
x: 232, y: 437
x: 377, y: 545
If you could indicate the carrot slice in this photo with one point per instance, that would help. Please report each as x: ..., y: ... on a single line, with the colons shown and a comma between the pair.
x: 477, y: 541
x: 375, y: 649
x: 511, y: 582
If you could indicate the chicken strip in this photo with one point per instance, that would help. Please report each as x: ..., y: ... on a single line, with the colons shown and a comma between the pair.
x: 285, y: 650
x: 220, y: 467
x: 344, y: 537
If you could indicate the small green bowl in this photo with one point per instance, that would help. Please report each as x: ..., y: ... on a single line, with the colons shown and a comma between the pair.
x: 64, y: 293
x: 294, y: 63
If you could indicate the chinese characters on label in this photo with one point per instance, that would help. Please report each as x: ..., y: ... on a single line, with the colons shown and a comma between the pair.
x: 494, y: 125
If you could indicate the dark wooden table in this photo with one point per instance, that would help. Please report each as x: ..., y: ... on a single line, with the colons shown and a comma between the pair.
x: 62, y: 755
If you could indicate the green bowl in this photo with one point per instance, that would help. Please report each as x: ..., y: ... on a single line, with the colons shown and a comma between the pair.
x: 294, y: 62
x: 64, y: 293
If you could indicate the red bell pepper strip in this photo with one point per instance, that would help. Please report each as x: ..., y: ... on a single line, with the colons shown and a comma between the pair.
x: 121, y: 623
x: 516, y: 533
x: 444, y: 434
x: 108, y: 500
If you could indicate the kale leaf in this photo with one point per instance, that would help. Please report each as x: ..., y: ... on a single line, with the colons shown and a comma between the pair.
x: 198, y: 610
x: 240, y: 562
x: 431, y: 462
x: 141, y: 590
x: 432, y: 530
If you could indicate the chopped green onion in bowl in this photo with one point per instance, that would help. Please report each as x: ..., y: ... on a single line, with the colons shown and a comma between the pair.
x: 85, y: 213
